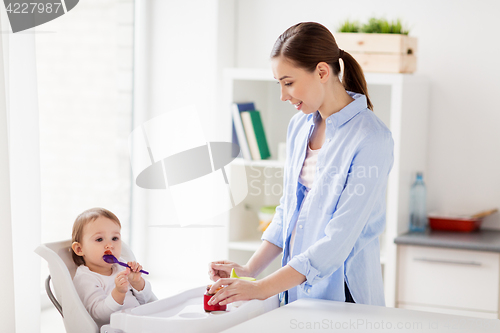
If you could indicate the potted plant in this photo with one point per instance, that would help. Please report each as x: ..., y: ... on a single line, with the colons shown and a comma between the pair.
x: 379, y: 45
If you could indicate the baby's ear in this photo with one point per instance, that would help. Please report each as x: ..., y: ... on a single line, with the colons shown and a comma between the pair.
x: 77, y: 248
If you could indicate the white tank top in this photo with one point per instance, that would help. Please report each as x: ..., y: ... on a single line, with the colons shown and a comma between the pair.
x: 306, y: 178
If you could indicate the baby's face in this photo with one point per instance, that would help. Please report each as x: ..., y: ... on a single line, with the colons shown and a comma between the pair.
x: 99, y: 236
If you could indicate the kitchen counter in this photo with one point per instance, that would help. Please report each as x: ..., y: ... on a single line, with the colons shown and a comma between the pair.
x: 481, y: 240
x: 312, y: 315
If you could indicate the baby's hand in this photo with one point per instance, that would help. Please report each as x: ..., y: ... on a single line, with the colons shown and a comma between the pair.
x: 135, y: 276
x: 121, y: 281
x: 135, y: 271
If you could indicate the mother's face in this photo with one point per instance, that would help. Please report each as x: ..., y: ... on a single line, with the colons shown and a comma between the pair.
x: 301, y: 88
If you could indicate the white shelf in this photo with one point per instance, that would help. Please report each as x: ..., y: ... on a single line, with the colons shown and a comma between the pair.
x: 249, y: 245
x: 259, y: 74
x: 383, y: 258
x: 261, y: 163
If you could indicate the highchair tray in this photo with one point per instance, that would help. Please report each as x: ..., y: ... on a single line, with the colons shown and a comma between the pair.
x: 184, y: 313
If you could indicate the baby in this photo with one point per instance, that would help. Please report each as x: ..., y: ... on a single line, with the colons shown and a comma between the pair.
x: 104, y: 288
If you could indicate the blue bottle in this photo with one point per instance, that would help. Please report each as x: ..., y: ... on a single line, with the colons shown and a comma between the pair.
x: 418, y: 210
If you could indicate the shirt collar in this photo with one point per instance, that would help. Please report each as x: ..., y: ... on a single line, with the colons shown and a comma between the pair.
x: 347, y: 113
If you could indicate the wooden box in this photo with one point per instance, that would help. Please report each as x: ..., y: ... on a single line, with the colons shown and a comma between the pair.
x: 383, y: 53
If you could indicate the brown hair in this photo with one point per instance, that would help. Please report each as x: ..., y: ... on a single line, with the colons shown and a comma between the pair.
x: 307, y: 44
x: 82, y: 220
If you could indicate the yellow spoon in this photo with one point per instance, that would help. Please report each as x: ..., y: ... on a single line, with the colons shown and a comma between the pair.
x: 234, y: 276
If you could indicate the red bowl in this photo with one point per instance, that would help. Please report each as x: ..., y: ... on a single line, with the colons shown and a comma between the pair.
x: 454, y: 223
x: 210, y: 308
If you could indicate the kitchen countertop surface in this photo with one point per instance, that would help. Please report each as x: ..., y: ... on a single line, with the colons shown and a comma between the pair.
x: 481, y: 240
x: 314, y: 315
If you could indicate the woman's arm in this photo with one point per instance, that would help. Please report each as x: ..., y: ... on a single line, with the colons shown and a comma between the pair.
x: 264, y: 255
x: 241, y: 290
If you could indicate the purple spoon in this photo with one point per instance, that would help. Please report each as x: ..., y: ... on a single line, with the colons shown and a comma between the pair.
x: 111, y: 259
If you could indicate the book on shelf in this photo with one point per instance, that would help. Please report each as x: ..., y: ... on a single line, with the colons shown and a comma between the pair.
x: 256, y: 136
x: 239, y: 136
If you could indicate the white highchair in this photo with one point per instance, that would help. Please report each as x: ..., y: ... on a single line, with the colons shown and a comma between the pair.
x: 66, y: 300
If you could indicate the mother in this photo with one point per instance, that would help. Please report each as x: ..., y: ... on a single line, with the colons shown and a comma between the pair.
x: 339, y: 155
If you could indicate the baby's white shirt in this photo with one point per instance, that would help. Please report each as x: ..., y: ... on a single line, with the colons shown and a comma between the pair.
x: 95, y: 289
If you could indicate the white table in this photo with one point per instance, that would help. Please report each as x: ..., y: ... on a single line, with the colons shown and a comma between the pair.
x: 312, y: 315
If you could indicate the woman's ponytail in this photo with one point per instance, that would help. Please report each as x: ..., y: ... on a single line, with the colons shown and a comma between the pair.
x: 353, y: 78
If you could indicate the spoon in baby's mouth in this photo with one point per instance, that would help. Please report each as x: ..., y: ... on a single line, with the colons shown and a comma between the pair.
x: 111, y: 259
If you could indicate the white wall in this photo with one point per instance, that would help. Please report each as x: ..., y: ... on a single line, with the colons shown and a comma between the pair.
x: 19, y: 181
x: 7, y: 306
x: 458, y: 51
x: 24, y: 151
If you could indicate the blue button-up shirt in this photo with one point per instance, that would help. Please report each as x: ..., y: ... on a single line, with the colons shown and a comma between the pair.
x: 343, y: 214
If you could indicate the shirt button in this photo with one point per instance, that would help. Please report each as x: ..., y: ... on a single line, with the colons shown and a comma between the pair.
x: 329, y: 121
x: 300, y: 226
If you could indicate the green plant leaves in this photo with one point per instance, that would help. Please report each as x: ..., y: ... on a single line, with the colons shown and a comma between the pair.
x: 374, y: 25
x: 349, y: 26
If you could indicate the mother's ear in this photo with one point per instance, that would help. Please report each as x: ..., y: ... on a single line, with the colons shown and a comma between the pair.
x: 77, y: 248
x: 324, y: 71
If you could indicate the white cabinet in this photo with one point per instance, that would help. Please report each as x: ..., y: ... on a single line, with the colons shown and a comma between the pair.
x: 449, y: 281
x: 400, y: 100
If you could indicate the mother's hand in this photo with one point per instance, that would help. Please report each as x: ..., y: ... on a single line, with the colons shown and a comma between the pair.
x: 236, y: 290
x: 222, y: 269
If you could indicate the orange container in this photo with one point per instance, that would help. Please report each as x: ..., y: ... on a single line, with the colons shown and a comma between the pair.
x: 460, y: 223
x: 454, y: 223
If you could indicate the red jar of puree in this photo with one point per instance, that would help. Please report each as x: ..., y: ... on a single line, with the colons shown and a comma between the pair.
x: 207, y: 297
